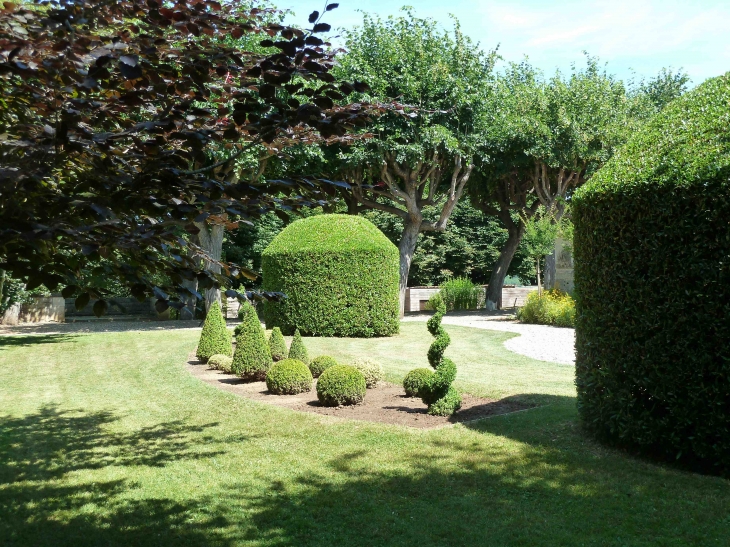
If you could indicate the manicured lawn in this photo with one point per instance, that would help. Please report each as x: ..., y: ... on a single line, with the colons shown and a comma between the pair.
x: 106, y: 440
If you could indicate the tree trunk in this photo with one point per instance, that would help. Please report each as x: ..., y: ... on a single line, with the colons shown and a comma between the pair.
x: 211, y: 240
x: 407, y: 246
x: 496, y: 281
x: 539, y: 284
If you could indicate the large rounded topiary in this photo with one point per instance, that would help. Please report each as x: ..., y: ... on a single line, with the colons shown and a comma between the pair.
x: 341, y: 385
x: 252, y: 358
x: 415, y: 380
x: 320, y: 364
x: 214, y: 338
x: 652, y: 285
x: 289, y: 377
x: 340, y: 276
x: 277, y: 345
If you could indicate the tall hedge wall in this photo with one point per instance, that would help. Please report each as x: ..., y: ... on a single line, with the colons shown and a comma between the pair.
x: 652, y: 284
x: 340, y: 275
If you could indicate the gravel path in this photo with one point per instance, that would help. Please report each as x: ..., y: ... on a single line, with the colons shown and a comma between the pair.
x: 537, y: 341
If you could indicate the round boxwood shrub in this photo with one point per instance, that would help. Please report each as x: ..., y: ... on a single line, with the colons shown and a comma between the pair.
x: 320, y: 364
x: 652, y: 286
x: 298, y: 350
x: 340, y: 275
x: 252, y: 358
x: 215, y: 337
x: 372, y: 371
x: 415, y: 380
x: 341, y: 385
x: 277, y: 345
x: 221, y: 362
x: 289, y: 377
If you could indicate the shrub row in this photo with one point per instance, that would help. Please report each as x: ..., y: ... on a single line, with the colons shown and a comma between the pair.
x: 554, y: 307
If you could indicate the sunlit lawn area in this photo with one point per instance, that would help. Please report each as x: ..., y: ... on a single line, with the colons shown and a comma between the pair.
x: 106, y: 440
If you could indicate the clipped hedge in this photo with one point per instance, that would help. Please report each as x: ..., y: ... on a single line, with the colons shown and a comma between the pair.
x: 415, y: 380
x: 277, y: 345
x: 652, y: 286
x: 252, y: 358
x: 320, y: 364
x: 340, y: 275
x: 215, y: 337
x: 221, y: 362
x: 372, y: 371
x: 289, y: 377
x: 341, y: 385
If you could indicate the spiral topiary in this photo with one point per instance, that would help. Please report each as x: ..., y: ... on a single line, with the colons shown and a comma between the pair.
x: 320, y: 364
x: 289, y: 377
x: 215, y: 337
x: 341, y: 385
x: 298, y: 350
x: 442, y: 399
x: 252, y: 358
x: 415, y: 380
x: 277, y: 344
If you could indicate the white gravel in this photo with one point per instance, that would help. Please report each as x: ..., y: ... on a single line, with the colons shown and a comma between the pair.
x: 537, y: 341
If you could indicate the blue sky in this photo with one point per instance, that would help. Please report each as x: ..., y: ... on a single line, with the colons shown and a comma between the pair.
x: 635, y: 37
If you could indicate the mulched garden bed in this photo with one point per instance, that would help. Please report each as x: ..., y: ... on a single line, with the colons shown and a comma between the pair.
x: 386, y: 403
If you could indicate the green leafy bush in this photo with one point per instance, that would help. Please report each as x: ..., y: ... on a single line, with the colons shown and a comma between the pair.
x: 461, y: 294
x: 438, y: 393
x: 252, y: 358
x: 341, y: 385
x: 652, y: 286
x: 415, y: 380
x: 221, y: 362
x: 289, y: 377
x: 298, y: 350
x: 340, y: 275
x: 320, y: 364
x: 277, y: 345
x: 554, y: 307
x: 372, y: 371
x: 215, y: 337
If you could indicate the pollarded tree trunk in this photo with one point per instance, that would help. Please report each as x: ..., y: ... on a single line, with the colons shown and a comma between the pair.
x: 496, y: 281
x: 211, y: 241
x: 407, y: 246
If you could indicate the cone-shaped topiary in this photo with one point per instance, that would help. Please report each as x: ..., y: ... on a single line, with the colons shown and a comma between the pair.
x: 341, y: 385
x: 289, y: 377
x: 320, y: 364
x: 215, y: 337
x: 297, y: 350
x: 442, y: 399
x: 277, y: 345
x: 415, y: 380
x: 252, y: 358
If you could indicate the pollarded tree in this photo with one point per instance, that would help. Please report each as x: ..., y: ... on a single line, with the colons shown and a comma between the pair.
x: 108, y: 111
x: 544, y: 139
x: 426, y: 157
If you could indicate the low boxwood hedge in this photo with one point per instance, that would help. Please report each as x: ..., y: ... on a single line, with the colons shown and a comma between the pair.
x: 341, y: 385
x: 289, y: 377
x: 340, y: 276
x: 652, y: 286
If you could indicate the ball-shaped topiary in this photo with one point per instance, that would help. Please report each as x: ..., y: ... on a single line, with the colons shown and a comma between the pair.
x: 289, y: 377
x: 372, y: 371
x: 340, y: 275
x: 320, y: 364
x: 252, y: 358
x: 221, y: 362
x: 341, y: 385
x: 438, y: 393
x: 215, y: 337
x: 277, y: 345
x: 415, y: 380
x: 298, y: 350
x: 652, y: 286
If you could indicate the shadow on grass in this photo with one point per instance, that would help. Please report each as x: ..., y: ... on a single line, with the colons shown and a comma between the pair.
x: 33, y: 340
x: 40, y: 505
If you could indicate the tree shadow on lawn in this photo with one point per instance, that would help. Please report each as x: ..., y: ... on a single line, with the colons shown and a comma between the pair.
x: 40, y: 454
x: 29, y: 340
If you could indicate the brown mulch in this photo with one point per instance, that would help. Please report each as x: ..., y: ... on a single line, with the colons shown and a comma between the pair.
x: 385, y: 403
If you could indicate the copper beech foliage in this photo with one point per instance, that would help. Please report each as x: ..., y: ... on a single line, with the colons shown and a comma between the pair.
x: 110, y: 112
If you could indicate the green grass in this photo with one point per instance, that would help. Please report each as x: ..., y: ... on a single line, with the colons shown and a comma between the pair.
x: 106, y: 440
